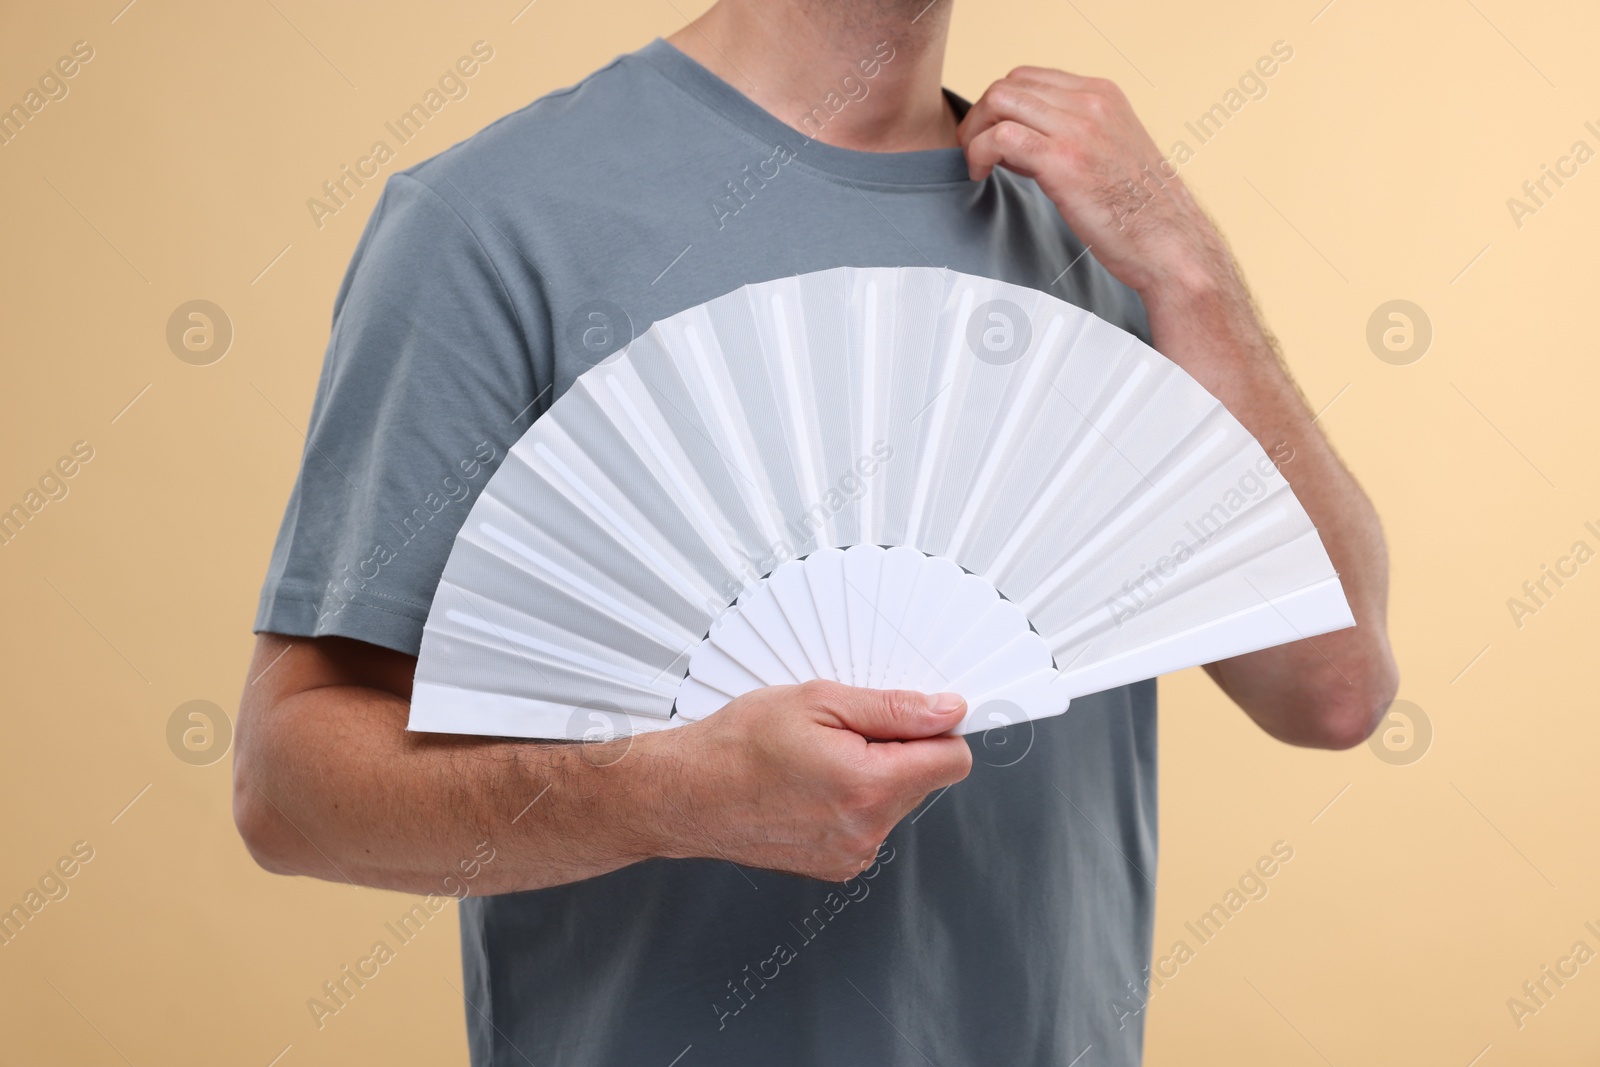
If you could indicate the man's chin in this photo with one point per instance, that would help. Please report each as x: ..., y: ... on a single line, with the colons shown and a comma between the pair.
x: 879, y: 12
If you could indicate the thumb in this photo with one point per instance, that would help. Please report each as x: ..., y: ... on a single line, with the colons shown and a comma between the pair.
x: 897, y: 714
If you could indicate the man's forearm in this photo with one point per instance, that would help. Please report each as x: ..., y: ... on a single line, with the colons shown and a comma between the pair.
x: 331, y: 785
x: 1324, y: 691
x: 1080, y: 140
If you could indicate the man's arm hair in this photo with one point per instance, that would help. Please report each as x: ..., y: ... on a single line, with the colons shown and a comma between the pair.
x: 1327, y: 691
x: 328, y: 781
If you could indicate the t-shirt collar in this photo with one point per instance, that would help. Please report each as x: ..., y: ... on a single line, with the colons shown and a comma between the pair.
x: 928, y: 167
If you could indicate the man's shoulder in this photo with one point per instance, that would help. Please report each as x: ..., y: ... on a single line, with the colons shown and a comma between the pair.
x: 548, y: 145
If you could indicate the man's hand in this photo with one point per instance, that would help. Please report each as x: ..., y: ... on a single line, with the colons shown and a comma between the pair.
x: 1079, y: 139
x: 328, y: 782
x: 791, y: 782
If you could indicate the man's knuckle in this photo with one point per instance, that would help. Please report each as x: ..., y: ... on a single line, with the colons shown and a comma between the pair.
x: 961, y: 761
x: 862, y: 844
x: 900, y: 706
x: 839, y: 870
x: 1031, y: 144
x: 1006, y: 96
x: 956, y: 766
x: 1012, y: 136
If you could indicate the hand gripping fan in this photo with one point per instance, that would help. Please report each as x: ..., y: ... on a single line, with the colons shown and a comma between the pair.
x: 888, y: 477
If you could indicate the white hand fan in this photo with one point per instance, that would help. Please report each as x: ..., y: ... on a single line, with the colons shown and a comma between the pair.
x: 884, y: 618
x: 1031, y: 504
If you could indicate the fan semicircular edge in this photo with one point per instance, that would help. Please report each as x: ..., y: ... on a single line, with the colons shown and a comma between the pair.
x: 897, y: 477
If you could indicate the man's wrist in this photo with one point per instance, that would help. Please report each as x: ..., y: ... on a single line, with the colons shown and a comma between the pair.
x: 1194, y: 286
x: 592, y: 808
x: 1203, y: 314
x: 652, y: 789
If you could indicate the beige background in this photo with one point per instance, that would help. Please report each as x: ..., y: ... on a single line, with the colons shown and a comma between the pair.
x: 1377, y: 167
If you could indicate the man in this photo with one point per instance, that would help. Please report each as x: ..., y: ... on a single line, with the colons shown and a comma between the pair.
x: 633, y: 910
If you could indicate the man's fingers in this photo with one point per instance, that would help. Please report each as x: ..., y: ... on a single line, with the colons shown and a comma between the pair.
x: 885, y: 713
x: 1059, y: 79
x: 915, y: 770
x: 1009, y: 144
x: 1005, y: 101
x: 1043, y: 99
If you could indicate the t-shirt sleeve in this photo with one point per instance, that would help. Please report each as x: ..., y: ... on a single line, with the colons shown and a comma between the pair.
x: 427, y: 381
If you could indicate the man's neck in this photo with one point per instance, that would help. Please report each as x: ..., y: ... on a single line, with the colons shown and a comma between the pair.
x: 860, y: 74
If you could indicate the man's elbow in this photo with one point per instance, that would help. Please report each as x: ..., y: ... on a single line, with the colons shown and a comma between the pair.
x: 261, y: 825
x: 1344, y: 714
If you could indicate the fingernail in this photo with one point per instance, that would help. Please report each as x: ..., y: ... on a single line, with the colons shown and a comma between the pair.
x: 945, y: 703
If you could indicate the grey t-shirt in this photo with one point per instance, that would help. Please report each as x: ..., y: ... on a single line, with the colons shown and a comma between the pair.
x: 1009, y: 917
